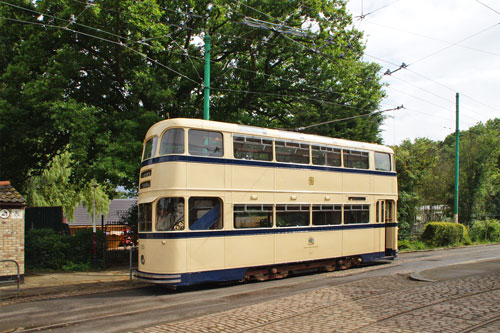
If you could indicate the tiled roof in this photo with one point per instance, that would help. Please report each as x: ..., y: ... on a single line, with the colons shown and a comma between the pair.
x: 117, y: 208
x: 9, y: 195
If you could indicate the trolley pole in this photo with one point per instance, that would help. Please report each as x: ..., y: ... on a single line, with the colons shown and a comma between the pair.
x: 206, y: 89
x: 457, y: 163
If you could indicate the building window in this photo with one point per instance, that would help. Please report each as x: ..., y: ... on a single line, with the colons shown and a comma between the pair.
x: 149, y: 148
x: 253, y: 148
x: 356, y: 159
x: 382, y: 161
x: 354, y: 214
x: 292, y: 152
x: 323, y: 155
x: 170, y: 214
x: 292, y: 215
x: 205, y: 213
x: 172, y: 142
x: 326, y: 214
x: 253, y: 216
x: 205, y: 143
x: 145, y: 217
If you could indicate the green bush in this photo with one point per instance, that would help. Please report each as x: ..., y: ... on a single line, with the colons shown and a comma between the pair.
x: 411, y: 245
x: 488, y: 231
x: 46, y: 249
x: 444, y: 234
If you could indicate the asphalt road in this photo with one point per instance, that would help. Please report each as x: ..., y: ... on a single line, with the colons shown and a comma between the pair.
x: 141, y: 308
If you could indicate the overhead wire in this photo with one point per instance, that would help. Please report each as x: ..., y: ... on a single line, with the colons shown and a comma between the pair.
x: 348, y: 118
x: 485, y: 5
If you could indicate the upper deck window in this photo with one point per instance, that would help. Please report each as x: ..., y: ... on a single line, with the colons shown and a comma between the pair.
x: 205, y: 143
x: 382, y: 161
x: 253, y: 148
x: 292, y: 152
x: 323, y: 155
x: 356, y: 159
x: 149, y: 148
x: 172, y: 142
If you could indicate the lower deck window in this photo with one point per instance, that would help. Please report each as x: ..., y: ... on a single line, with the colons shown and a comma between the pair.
x: 170, y: 214
x: 205, y: 213
x: 253, y: 216
x: 145, y: 217
x: 354, y: 214
x: 327, y: 214
x: 292, y: 215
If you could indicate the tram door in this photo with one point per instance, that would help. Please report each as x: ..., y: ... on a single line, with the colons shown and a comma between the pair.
x: 386, y: 214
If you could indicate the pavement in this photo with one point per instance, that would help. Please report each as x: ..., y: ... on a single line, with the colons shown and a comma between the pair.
x: 55, y: 284
x: 43, y: 285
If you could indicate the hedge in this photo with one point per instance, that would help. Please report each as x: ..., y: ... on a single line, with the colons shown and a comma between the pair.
x: 47, y: 249
x: 445, y: 234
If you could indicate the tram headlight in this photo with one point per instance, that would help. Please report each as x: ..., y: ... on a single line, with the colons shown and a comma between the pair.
x: 143, y: 260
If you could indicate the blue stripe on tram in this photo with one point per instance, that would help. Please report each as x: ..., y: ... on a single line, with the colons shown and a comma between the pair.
x: 249, y: 232
x: 227, y: 161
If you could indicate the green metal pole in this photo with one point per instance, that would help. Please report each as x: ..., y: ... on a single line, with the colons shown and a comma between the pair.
x: 206, y: 89
x: 457, y: 158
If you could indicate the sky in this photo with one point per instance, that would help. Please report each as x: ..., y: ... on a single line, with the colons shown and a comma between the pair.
x: 450, y: 47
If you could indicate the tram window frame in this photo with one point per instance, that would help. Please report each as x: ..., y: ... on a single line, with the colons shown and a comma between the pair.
x: 172, y: 144
x: 251, y: 212
x: 356, y: 159
x: 356, y: 214
x: 382, y: 161
x: 292, y: 152
x: 145, y: 210
x: 150, y: 148
x: 325, y: 214
x: 204, y: 205
x: 252, y: 148
x: 325, y: 155
x: 170, y: 214
x: 201, y: 143
x: 288, y: 215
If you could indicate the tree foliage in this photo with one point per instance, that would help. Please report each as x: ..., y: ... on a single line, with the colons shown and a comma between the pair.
x: 53, y: 187
x: 90, y: 77
x: 426, y: 174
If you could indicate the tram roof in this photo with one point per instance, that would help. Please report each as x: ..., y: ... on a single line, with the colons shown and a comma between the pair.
x: 158, y: 128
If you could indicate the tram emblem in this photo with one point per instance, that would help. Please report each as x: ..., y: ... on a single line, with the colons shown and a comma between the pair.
x: 311, y: 241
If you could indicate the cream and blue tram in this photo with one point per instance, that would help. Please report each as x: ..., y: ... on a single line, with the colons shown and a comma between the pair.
x: 223, y: 202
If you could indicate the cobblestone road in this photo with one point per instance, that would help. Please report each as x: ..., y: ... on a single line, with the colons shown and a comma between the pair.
x: 380, y: 304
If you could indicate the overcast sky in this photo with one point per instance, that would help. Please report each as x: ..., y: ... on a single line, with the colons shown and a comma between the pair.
x: 432, y: 38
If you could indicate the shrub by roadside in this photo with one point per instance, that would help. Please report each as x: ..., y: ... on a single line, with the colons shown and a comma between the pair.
x: 46, y: 249
x: 445, y: 234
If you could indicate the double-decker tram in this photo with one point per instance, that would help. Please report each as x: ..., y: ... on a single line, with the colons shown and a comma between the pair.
x: 224, y: 202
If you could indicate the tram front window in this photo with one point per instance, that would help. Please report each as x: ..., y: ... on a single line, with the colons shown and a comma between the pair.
x: 172, y: 142
x: 145, y: 217
x: 170, y: 214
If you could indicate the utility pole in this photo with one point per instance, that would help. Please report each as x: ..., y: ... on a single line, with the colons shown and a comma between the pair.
x: 206, y: 89
x: 457, y: 163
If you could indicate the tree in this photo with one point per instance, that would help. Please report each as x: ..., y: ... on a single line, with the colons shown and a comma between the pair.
x: 54, y: 188
x: 424, y: 178
x: 92, y: 77
x: 479, y: 171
